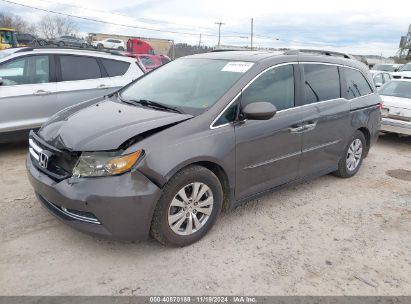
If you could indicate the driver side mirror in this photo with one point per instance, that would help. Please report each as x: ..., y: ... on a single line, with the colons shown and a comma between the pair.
x: 259, y: 111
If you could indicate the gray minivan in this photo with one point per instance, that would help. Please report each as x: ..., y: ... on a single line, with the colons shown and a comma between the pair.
x: 165, y: 154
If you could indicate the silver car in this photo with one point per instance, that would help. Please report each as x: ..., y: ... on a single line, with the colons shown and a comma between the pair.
x: 37, y: 83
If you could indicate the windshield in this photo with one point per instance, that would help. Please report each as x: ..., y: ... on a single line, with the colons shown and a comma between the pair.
x: 7, y: 37
x: 397, y: 88
x: 384, y: 67
x: 191, y: 85
x: 406, y: 67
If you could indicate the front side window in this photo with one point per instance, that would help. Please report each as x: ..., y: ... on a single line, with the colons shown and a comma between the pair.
x: 26, y: 70
x: 275, y: 86
x: 378, y: 78
x: 79, y: 68
x: 322, y: 82
x: 406, y: 68
x: 357, y: 85
x: 190, y: 84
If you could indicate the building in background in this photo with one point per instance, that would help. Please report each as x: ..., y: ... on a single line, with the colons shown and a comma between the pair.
x: 160, y: 46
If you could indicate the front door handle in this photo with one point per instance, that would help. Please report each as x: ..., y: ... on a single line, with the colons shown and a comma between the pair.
x: 296, y: 129
x: 41, y: 92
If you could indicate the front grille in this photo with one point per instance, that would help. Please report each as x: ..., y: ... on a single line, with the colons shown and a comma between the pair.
x: 70, y: 214
x: 59, y: 164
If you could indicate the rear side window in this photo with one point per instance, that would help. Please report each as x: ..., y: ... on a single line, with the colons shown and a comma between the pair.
x: 322, y: 82
x: 115, y: 67
x: 357, y: 85
x: 79, y: 68
x: 275, y: 86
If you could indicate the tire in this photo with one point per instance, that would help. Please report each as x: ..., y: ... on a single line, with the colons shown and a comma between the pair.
x: 120, y: 48
x: 61, y: 44
x: 346, y: 167
x: 41, y: 42
x: 84, y: 46
x: 100, y: 46
x: 167, y: 211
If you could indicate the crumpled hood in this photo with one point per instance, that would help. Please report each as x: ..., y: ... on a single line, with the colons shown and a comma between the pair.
x: 104, y: 125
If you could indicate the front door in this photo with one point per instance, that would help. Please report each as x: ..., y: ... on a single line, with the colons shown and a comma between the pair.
x: 28, y: 93
x: 268, y: 152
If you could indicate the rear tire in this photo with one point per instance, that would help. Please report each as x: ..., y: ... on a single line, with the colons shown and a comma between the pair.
x: 353, y: 156
x: 182, y: 220
x: 61, y: 44
x: 100, y: 46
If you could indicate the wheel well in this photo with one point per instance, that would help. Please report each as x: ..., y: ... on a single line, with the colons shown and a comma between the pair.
x: 222, y: 176
x: 367, y: 136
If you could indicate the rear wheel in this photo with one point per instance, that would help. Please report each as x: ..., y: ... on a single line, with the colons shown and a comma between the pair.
x: 120, y: 48
x: 188, y: 208
x: 100, y: 46
x: 353, y: 157
x: 61, y: 44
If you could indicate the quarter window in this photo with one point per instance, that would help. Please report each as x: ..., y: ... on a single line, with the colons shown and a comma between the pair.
x: 357, y: 85
x: 321, y: 82
x: 79, y: 68
x: 275, y: 86
x: 228, y: 116
x: 115, y: 67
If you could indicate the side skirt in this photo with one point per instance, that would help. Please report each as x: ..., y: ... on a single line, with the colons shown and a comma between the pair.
x: 237, y: 203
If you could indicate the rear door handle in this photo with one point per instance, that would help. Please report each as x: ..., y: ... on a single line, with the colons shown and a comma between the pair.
x: 309, y: 126
x: 296, y: 129
x: 103, y: 86
x: 41, y: 92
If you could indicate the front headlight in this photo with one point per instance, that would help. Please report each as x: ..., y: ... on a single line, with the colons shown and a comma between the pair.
x: 104, y: 163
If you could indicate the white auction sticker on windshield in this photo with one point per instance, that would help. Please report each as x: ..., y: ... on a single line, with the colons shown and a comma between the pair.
x: 237, y: 67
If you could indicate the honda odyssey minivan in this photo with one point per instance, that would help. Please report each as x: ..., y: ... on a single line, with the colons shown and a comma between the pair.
x: 165, y: 154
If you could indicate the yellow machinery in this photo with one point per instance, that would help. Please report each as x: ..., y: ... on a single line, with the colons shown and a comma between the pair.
x: 7, y: 38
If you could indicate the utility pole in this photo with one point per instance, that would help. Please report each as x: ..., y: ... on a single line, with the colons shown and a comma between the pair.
x: 219, y: 31
x: 252, y: 32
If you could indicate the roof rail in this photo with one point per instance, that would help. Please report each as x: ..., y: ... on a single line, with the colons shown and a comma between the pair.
x: 319, y: 52
x: 112, y: 52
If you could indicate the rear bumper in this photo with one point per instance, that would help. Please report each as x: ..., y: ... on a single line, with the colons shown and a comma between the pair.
x: 118, y: 207
x: 396, y: 126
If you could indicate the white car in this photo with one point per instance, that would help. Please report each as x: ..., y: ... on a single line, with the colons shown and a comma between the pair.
x: 37, y: 83
x: 403, y: 73
x: 380, y: 78
x: 115, y: 44
x: 386, y: 67
x: 396, y: 107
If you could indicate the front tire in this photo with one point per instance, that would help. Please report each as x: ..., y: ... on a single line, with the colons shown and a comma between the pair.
x: 353, y: 156
x: 188, y: 208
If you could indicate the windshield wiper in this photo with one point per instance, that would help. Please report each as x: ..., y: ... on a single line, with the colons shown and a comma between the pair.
x: 152, y: 104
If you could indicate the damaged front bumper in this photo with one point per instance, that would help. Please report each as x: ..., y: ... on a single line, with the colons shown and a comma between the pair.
x: 118, y: 207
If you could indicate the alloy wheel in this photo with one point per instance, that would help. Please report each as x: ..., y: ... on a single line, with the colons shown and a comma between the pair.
x: 190, y: 208
x: 354, y: 154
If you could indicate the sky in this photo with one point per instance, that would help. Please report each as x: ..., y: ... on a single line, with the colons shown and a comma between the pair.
x: 357, y: 27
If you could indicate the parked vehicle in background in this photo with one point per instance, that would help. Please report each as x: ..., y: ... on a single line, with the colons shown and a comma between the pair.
x: 115, y: 44
x: 150, y: 62
x: 64, y: 41
x: 7, y: 38
x: 37, y: 83
x: 380, y: 78
x: 199, y: 134
x: 403, y: 73
x: 138, y: 46
x: 25, y: 39
x: 386, y: 67
x: 396, y: 107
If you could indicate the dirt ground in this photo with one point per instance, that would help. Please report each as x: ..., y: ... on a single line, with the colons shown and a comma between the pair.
x: 329, y: 236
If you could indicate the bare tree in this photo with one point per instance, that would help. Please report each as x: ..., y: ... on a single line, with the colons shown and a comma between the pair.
x: 56, y: 26
x: 16, y: 22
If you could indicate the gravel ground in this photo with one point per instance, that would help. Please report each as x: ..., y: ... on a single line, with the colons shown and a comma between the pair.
x: 329, y: 236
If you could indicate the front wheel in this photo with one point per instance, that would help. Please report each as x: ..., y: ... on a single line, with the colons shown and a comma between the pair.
x: 353, y: 156
x: 188, y: 208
